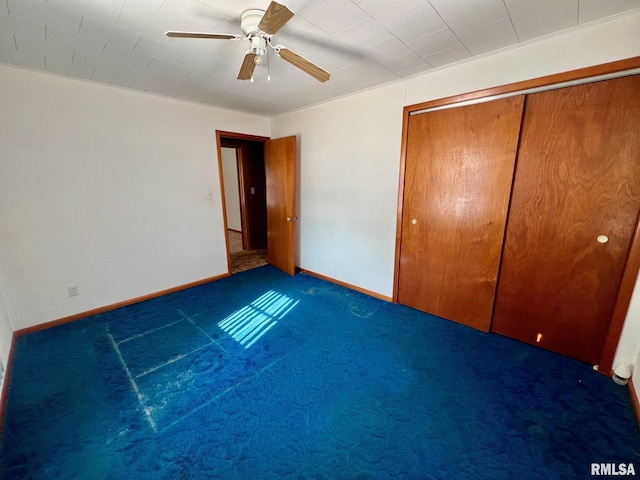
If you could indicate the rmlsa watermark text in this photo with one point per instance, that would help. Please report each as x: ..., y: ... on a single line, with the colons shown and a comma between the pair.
x: 611, y: 469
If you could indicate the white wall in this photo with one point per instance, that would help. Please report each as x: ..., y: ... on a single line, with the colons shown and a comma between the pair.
x: 6, y: 335
x: 105, y: 189
x: 350, y: 150
x: 348, y: 183
x: 629, y: 345
x: 231, y: 189
x: 636, y: 372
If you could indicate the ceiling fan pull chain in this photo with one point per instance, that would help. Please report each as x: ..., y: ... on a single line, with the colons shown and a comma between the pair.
x: 268, y: 66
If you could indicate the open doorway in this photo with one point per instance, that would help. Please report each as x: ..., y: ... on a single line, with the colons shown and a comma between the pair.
x: 244, y: 185
x: 266, y: 171
x: 245, y: 252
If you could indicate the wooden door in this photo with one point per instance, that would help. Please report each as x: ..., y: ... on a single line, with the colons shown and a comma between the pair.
x: 458, y: 172
x: 577, y: 184
x: 280, y: 171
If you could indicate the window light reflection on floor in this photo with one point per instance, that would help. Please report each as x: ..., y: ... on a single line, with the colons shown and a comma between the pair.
x: 251, y: 322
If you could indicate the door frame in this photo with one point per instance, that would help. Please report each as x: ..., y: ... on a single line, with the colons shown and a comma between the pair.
x: 220, y: 136
x: 584, y: 75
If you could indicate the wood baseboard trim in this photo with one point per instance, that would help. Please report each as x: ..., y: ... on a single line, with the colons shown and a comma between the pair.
x: 634, y: 401
x: 106, y: 308
x: 8, y: 370
x: 347, y: 285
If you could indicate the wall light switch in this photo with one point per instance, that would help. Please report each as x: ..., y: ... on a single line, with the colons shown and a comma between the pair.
x: 209, y: 195
x: 73, y: 290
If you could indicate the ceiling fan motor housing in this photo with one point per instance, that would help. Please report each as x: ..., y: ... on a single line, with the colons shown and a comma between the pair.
x: 250, y: 21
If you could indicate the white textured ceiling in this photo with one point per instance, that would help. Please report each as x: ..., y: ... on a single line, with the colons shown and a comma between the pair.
x: 362, y: 43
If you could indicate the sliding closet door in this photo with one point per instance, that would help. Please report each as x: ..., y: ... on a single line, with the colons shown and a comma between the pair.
x: 575, y: 203
x: 458, y: 172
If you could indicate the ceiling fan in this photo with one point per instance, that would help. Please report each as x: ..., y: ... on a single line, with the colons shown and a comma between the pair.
x: 258, y: 27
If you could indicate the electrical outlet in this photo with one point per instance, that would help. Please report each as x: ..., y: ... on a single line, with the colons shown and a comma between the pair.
x: 73, y: 290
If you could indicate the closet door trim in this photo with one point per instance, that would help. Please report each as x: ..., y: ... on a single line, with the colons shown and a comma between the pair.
x: 527, y: 91
x: 632, y: 266
x: 607, y: 71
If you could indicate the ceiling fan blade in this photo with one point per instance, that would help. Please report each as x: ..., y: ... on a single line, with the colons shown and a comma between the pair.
x: 303, y: 64
x: 247, y: 67
x: 221, y: 36
x: 274, y: 18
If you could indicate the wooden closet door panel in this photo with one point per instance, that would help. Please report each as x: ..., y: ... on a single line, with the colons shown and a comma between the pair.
x: 458, y: 174
x: 577, y: 177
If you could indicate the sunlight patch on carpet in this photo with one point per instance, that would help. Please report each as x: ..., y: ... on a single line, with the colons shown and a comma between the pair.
x: 252, y: 321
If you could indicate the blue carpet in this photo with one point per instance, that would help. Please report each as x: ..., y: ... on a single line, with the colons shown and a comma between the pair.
x: 266, y: 376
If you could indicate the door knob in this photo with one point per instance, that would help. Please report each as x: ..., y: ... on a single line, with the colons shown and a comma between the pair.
x: 292, y: 219
x: 602, y: 239
x: 413, y: 221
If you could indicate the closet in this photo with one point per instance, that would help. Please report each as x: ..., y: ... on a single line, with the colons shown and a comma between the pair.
x: 518, y: 213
